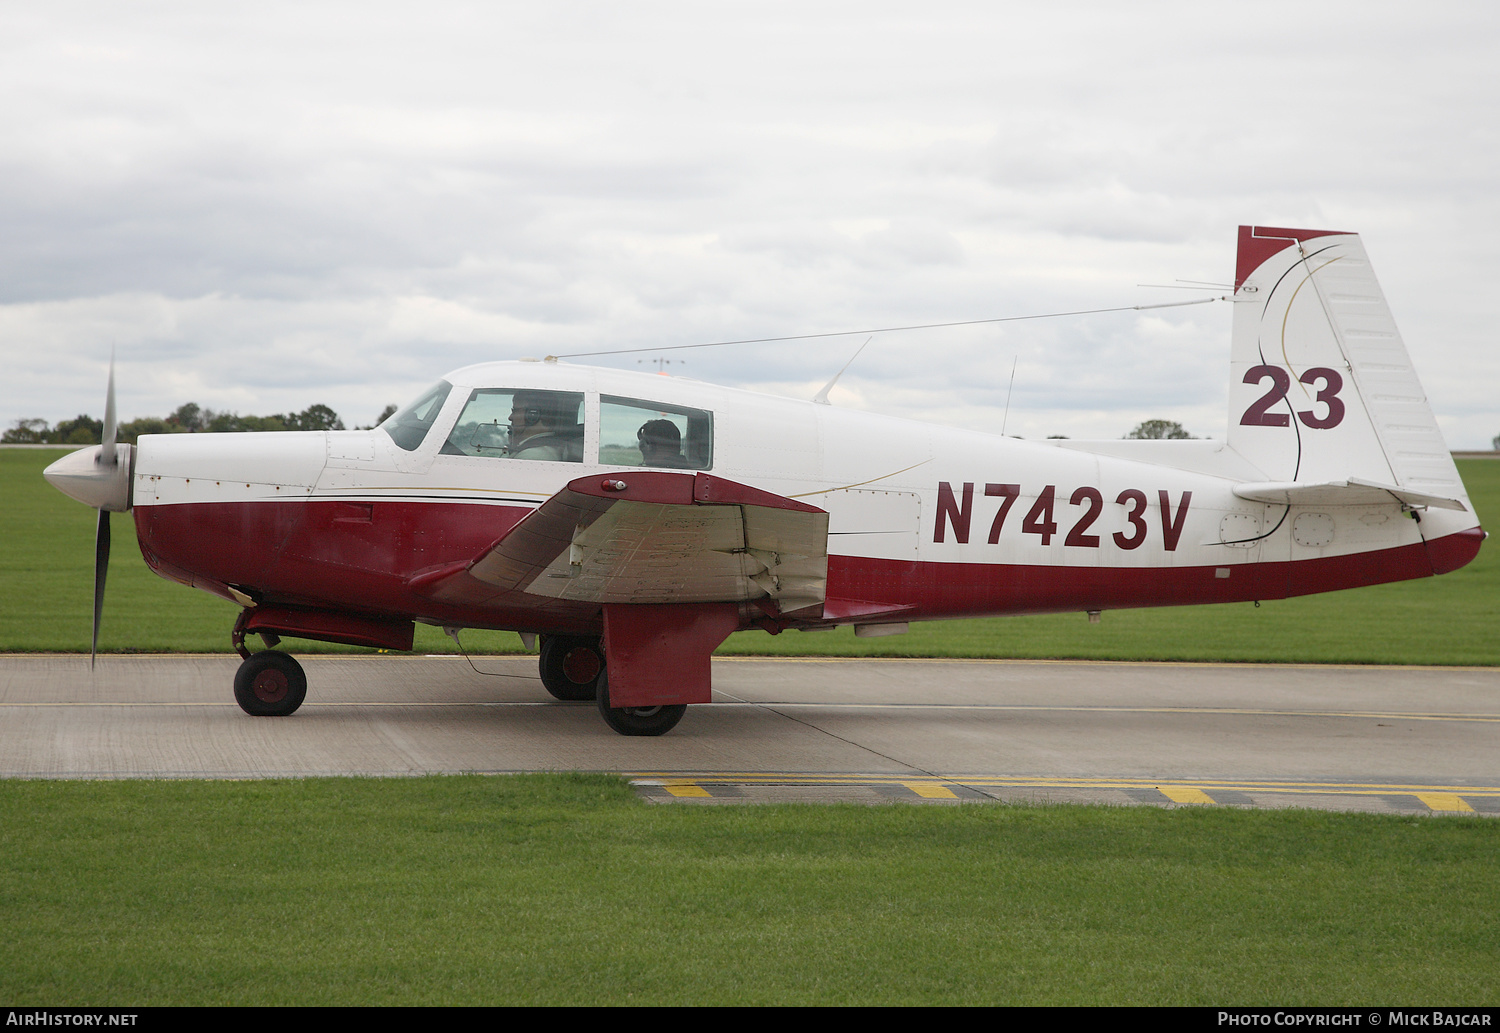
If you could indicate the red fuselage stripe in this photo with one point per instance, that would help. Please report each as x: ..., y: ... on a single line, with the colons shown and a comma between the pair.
x: 331, y: 555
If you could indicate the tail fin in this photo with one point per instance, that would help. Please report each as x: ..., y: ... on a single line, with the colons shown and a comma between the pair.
x: 1321, y: 387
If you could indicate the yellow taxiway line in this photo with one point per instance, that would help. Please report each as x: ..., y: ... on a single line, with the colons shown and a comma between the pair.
x: 1437, y: 798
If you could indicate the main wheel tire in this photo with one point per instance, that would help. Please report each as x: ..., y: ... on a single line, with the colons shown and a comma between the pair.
x: 270, y: 684
x: 637, y: 720
x: 571, y: 667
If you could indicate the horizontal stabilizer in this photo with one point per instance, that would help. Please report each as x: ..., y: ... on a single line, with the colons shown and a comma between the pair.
x: 1352, y: 492
x: 653, y: 538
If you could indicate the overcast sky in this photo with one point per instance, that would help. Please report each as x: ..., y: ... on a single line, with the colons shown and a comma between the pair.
x: 266, y: 206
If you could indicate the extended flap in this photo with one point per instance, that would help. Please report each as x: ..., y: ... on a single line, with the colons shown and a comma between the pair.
x: 647, y: 537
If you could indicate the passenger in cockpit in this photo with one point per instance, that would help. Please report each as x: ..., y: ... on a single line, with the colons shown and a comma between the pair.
x: 536, y: 428
x: 661, y: 445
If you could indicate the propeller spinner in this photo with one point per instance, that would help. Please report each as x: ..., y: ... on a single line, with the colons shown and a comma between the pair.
x: 100, y: 477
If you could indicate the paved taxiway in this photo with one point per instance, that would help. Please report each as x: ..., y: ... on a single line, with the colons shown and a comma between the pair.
x: 1368, y: 738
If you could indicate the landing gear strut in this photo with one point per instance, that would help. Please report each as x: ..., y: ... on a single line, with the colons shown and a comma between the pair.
x: 270, y: 684
x: 637, y: 720
x: 571, y: 667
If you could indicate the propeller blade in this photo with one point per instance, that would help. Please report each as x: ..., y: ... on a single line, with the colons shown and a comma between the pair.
x: 107, y: 453
x: 101, y: 568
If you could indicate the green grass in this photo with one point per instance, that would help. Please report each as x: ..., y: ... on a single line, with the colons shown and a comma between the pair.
x: 46, y: 563
x: 567, y: 890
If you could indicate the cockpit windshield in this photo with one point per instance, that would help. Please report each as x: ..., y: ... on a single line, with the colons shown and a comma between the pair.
x: 408, y: 426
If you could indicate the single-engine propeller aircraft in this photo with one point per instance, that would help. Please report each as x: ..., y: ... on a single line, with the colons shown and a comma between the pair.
x: 634, y: 521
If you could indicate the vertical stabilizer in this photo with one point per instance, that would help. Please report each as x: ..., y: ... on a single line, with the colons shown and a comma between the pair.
x: 1321, y: 386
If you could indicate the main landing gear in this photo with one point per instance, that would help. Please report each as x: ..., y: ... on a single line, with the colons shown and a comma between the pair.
x: 573, y: 669
x: 637, y: 720
x: 270, y: 684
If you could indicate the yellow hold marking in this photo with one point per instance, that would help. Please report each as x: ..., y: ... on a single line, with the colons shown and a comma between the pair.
x: 931, y: 790
x: 1444, y: 801
x: 1183, y: 794
x: 686, y: 789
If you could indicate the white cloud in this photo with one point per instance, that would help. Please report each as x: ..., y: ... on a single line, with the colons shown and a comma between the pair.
x: 337, y: 202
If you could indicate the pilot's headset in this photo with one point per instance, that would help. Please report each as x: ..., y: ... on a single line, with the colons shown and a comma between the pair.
x: 532, y: 414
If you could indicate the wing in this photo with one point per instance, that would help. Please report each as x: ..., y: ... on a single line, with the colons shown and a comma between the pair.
x: 648, y: 537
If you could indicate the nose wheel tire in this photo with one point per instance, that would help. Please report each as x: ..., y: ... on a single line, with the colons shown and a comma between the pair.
x: 637, y: 720
x: 270, y: 684
x: 571, y: 667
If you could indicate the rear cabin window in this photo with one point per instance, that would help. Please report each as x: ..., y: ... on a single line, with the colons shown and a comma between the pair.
x: 511, y: 424
x: 635, y: 432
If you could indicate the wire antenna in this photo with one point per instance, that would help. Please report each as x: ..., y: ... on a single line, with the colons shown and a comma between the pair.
x: 1006, y: 418
x: 882, y: 329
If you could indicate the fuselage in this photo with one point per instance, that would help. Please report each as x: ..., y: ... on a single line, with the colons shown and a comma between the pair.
x: 925, y: 522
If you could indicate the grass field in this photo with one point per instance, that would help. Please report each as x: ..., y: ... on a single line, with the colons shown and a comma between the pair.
x: 568, y: 890
x: 46, y: 585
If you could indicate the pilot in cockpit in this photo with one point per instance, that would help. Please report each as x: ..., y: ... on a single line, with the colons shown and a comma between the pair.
x: 661, y: 445
x: 536, y: 428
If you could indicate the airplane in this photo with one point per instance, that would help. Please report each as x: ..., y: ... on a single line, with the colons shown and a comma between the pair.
x: 634, y: 521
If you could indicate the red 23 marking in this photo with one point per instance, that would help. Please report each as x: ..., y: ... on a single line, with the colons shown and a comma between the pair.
x: 1258, y: 414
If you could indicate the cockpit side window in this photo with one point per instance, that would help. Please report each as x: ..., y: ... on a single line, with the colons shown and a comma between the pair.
x: 519, y: 424
x: 636, y: 432
x: 409, y: 425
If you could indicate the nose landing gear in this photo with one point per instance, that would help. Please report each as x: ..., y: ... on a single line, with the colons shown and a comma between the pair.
x: 270, y: 684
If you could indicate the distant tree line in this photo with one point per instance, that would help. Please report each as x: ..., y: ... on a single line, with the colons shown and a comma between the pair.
x: 1160, y: 430
x: 84, y: 430
x: 191, y: 419
x: 187, y: 419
